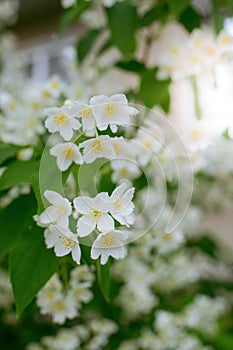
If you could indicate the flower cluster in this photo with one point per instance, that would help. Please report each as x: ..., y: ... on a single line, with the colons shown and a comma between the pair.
x: 171, y: 330
x: 186, y: 55
x: 93, y: 334
x: 62, y: 304
x: 94, y: 214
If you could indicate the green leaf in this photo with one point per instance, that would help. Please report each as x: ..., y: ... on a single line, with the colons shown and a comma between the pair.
x: 85, y: 43
x: 151, y: 16
x: 31, y: 266
x: 18, y: 172
x: 13, y: 221
x: 177, y: 7
x: 49, y: 177
x: 223, y: 342
x: 154, y: 92
x: 131, y: 66
x: 7, y: 151
x: 123, y: 22
x: 190, y: 19
x: 89, y: 176
x: 71, y: 15
x: 103, y: 277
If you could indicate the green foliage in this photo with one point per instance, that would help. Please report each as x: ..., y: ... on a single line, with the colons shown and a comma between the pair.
x: 154, y: 92
x: 85, y: 43
x: 7, y: 151
x: 123, y: 22
x: 131, y: 66
x: 13, y: 221
x: 31, y: 265
x: 18, y: 172
x: 221, y: 9
x: 71, y: 15
x: 48, y: 177
x: 190, y: 19
x: 177, y: 7
x: 157, y: 13
x: 103, y: 276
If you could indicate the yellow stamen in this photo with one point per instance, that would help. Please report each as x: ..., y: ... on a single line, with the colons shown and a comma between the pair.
x: 107, y: 241
x: 55, y: 85
x: 85, y: 112
x: 196, y: 134
x: 117, y: 204
x: 59, y: 306
x: 117, y: 148
x: 97, y: 146
x: 60, y: 119
x: 110, y: 110
x: 68, y: 152
x: 95, y: 213
x: 68, y: 242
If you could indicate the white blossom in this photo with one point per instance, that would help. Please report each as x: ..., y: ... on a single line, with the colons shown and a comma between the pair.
x: 62, y: 120
x: 112, y: 111
x: 99, y: 147
x: 58, y: 212
x: 123, y: 206
x: 66, y: 153
x: 94, y: 214
x: 111, y: 243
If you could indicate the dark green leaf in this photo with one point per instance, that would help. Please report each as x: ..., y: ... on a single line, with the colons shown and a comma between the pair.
x: 154, y: 92
x: 14, y: 219
x: 7, y: 151
x: 123, y: 22
x: 131, y: 66
x: 103, y: 276
x: 49, y: 177
x: 190, y: 19
x: 151, y: 16
x: 89, y: 175
x: 31, y: 265
x: 18, y: 172
x: 177, y: 7
x: 85, y: 43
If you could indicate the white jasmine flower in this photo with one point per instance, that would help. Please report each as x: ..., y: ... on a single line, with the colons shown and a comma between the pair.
x: 148, y: 142
x: 99, y: 147
x: 61, y: 308
x: 62, y: 120
x: 64, y: 242
x: 81, y: 274
x: 110, y: 243
x: 58, y: 212
x: 66, y: 338
x: 85, y: 113
x: 123, y: 206
x: 123, y: 148
x: 112, y: 111
x: 124, y: 169
x: 66, y: 153
x: 168, y: 242
x: 54, y: 87
x: 199, y: 135
x: 81, y: 293
x: 94, y: 213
